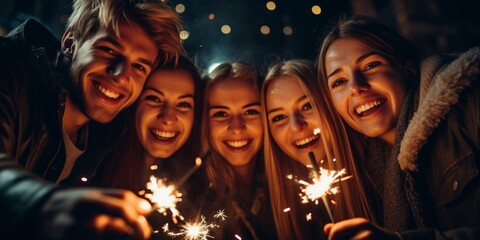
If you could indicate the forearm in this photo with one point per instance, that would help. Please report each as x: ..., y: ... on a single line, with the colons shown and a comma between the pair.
x: 21, y: 194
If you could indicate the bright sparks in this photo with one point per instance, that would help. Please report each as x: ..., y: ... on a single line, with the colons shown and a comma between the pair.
x: 195, y: 231
x: 220, y: 215
x: 164, y: 197
x: 321, y: 186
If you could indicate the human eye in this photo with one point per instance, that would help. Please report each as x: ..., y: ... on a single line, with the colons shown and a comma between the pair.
x: 337, y: 83
x: 106, y: 50
x: 153, y: 98
x: 139, y: 67
x: 279, y: 117
x: 371, y: 65
x: 219, y: 114
x: 307, y: 106
x: 252, y: 112
x: 184, y: 105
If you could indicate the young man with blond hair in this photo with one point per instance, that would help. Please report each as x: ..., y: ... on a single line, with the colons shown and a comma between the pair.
x: 59, y: 114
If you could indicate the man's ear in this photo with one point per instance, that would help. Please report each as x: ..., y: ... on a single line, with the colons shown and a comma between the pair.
x: 68, y: 44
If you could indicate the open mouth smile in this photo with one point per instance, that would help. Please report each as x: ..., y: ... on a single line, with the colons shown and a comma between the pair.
x: 108, y: 93
x: 369, y: 107
x: 238, y: 145
x: 167, y: 136
x: 306, y: 142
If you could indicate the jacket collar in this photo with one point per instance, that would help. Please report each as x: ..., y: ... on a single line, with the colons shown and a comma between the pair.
x: 442, y: 85
x: 32, y: 33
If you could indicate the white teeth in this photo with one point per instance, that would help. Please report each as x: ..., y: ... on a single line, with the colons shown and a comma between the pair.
x: 107, y: 92
x: 237, y: 144
x: 304, y: 141
x: 364, y: 107
x: 164, y: 134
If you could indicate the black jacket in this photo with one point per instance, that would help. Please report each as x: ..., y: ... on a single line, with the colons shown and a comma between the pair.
x: 32, y: 103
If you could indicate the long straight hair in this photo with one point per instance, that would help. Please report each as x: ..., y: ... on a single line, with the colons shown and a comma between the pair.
x: 220, y: 174
x: 352, y: 201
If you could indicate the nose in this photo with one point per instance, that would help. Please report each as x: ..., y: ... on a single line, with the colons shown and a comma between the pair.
x: 237, y: 124
x: 118, y: 70
x: 358, y: 84
x: 167, y: 114
x: 297, y: 122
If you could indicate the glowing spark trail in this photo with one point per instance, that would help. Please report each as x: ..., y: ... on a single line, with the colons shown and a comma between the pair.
x: 221, y: 214
x: 164, y: 197
x: 195, y: 231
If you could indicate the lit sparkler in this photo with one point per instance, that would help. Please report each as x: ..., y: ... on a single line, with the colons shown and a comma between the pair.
x: 195, y: 231
x: 164, y: 197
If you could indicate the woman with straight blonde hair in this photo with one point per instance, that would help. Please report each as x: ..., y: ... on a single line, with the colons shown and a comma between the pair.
x: 233, y: 136
x: 292, y: 111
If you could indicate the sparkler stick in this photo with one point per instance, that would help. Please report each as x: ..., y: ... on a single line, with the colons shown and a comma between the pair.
x: 198, y: 163
x: 311, y: 155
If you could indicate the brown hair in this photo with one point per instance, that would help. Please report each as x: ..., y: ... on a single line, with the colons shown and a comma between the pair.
x: 278, y: 164
x: 157, y: 18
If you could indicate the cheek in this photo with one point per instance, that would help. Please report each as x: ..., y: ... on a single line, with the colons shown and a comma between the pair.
x: 338, y: 100
x: 188, y: 124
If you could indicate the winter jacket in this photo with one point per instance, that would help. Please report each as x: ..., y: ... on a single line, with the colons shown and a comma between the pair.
x: 441, y: 149
x: 433, y: 186
x: 32, y: 103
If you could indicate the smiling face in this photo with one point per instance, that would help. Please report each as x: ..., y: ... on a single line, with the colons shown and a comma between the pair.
x: 109, y: 71
x: 367, y: 88
x: 236, y: 130
x: 292, y: 120
x: 165, y: 112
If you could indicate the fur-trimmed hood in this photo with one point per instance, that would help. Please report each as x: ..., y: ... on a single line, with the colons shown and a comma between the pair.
x: 441, y: 86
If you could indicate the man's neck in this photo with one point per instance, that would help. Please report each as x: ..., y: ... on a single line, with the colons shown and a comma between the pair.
x: 73, y: 119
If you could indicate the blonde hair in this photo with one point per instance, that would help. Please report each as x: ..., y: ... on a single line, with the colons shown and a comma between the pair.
x: 156, y: 18
x: 278, y: 164
x: 218, y: 171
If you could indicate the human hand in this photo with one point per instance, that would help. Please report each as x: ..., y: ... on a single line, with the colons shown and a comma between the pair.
x: 357, y: 228
x: 90, y: 213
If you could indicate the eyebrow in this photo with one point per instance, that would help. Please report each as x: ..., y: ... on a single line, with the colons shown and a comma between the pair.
x: 115, y: 43
x: 225, y: 107
x: 163, y: 94
x: 361, y: 58
x: 280, y: 108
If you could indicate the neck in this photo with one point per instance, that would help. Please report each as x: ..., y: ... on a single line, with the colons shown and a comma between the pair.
x: 73, y: 119
x: 245, y: 171
x: 389, y: 137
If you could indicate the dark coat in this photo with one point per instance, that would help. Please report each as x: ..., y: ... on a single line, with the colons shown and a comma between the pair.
x: 431, y: 180
x: 32, y: 103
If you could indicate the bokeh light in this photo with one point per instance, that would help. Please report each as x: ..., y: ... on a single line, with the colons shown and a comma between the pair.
x: 211, y: 16
x: 226, y: 29
x: 180, y: 8
x: 265, y: 29
x: 184, y: 34
x: 287, y: 30
x: 271, y: 5
x: 316, y: 10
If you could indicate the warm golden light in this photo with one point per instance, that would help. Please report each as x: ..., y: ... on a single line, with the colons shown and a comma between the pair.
x: 180, y: 8
x: 195, y: 231
x: 226, y: 29
x: 211, y: 16
x: 184, y: 34
x: 265, y: 29
x: 164, y: 197
x: 287, y: 30
x: 271, y: 5
x: 316, y: 10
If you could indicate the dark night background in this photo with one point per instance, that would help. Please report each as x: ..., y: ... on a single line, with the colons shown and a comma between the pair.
x: 432, y: 25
